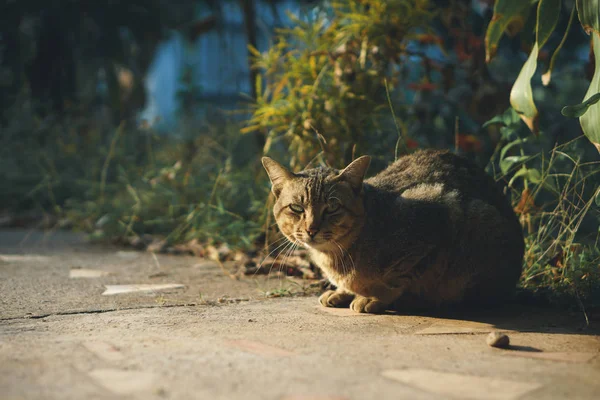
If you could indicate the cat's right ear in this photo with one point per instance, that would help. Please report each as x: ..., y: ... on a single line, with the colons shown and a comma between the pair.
x: 355, y: 172
x: 278, y: 174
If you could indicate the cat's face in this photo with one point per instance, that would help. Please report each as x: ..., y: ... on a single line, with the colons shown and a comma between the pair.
x: 321, y: 207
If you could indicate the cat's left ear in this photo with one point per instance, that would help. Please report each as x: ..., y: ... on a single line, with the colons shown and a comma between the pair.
x: 355, y: 172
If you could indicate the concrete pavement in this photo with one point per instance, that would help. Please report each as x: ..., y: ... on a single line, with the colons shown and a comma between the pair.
x: 220, y: 338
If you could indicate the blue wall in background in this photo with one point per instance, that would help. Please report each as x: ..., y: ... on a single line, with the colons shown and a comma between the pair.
x: 218, y: 59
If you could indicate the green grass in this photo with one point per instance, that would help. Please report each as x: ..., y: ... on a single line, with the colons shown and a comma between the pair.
x: 117, y: 184
x: 560, y: 218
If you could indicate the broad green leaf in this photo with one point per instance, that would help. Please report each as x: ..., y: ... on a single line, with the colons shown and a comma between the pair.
x: 521, y: 94
x: 506, y: 12
x: 578, y: 110
x: 547, y: 17
x: 589, y: 15
x: 590, y: 121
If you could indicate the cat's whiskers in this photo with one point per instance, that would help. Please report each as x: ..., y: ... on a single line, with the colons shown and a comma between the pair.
x: 341, y: 259
x: 281, y: 239
x: 335, y: 261
x: 272, y: 251
x: 289, y: 252
x: 288, y: 246
x: 342, y: 251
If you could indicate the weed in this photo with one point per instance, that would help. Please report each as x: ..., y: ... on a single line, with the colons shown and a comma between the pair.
x: 281, y: 292
x: 161, y: 300
x: 560, y: 213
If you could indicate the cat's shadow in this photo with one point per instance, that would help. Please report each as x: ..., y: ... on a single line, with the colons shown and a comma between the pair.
x: 520, y: 318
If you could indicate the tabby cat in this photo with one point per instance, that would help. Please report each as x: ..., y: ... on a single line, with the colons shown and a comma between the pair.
x: 430, y: 230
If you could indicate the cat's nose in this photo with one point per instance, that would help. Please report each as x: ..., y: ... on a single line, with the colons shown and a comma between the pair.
x: 312, y: 231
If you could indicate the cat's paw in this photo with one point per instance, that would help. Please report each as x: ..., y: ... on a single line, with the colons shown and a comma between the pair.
x: 332, y: 298
x: 367, y: 305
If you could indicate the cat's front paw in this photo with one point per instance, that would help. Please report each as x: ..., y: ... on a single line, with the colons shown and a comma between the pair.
x: 367, y: 305
x: 333, y: 298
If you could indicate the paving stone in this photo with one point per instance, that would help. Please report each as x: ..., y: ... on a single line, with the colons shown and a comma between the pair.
x: 119, y: 289
x: 462, y: 386
x: 87, y: 273
x: 12, y: 258
x: 125, y: 382
x: 104, y: 350
x: 129, y: 255
x: 458, y: 327
x: 258, y: 348
x: 314, y: 397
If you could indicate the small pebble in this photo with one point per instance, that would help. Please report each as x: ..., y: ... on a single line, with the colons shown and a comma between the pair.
x: 498, y: 339
x: 251, y: 320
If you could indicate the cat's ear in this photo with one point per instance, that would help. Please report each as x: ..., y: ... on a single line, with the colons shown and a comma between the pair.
x: 355, y: 172
x: 278, y: 174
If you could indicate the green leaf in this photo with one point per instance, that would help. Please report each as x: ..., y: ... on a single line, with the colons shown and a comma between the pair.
x: 510, y: 161
x: 534, y: 175
x: 507, y: 118
x: 589, y: 15
x: 578, y: 110
x: 547, y: 17
x: 506, y: 163
x: 507, y: 13
x: 528, y: 174
x: 259, y: 91
x: 508, y: 146
x: 506, y: 132
x: 521, y: 94
x: 498, y: 119
x: 590, y: 121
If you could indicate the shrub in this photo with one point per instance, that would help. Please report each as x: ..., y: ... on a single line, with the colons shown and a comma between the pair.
x: 331, y: 75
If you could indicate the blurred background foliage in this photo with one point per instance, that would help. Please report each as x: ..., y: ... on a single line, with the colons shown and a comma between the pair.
x: 88, y: 143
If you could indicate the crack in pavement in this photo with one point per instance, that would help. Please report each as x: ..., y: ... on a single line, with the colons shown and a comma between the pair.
x: 107, y: 310
x: 212, y: 303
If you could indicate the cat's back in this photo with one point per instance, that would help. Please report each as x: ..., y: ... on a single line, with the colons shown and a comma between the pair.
x: 448, y: 211
x: 431, y: 175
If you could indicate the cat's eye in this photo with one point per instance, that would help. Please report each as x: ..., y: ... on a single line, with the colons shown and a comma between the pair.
x: 296, y: 208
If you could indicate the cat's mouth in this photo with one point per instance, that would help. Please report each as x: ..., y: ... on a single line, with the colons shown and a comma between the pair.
x: 314, y: 242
